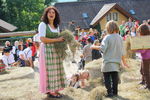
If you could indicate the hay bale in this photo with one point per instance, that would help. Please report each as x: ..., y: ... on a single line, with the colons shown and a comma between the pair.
x: 132, y: 73
x: 130, y: 76
x: 18, y: 73
x: 131, y: 91
x: 97, y: 93
x: 76, y: 94
x: 96, y: 82
x: 94, y: 68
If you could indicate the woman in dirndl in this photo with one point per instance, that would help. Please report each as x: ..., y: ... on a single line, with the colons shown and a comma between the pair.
x: 52, y: 75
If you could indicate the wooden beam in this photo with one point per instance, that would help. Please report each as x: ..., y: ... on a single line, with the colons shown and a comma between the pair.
x: 12, y: 34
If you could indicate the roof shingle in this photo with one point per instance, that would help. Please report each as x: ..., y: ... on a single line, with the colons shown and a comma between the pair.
x: 73, y: 10
x: 6, y: 26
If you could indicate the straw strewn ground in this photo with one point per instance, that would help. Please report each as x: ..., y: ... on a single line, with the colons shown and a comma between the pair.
x: 22, y: 84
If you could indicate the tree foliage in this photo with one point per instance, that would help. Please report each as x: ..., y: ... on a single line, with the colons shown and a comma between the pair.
x: 25, y: 14
x: 2, y: 9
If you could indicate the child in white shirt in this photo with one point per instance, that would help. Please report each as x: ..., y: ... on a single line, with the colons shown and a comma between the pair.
x: 7, y: 58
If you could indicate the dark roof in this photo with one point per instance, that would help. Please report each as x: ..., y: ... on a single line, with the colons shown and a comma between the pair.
x: 73, y: 10
x: 106, y: 8
x: 6, y: 27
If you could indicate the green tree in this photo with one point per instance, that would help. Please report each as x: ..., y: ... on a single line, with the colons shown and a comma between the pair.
x: 2, y: 9
x: 25, y: 14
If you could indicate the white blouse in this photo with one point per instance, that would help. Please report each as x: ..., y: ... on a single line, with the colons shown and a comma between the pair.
x: 28, y: 53
x: 42, y: 29
x: 8, y: 60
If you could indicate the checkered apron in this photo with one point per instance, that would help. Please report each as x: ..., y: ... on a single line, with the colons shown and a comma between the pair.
x: 54, y: 65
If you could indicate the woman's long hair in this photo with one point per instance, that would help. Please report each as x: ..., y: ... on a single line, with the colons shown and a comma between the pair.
x: 57, y: 17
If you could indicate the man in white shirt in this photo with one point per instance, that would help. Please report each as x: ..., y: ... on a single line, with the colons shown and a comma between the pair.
x: 28, y: 54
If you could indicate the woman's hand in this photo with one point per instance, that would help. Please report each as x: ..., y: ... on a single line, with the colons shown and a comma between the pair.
x: 60, y: 39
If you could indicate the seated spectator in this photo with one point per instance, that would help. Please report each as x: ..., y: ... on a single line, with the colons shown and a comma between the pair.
x: 15, y: 50
x: 7, y: 58
x: 29, y: 40
x: 34, y: 52
x: 7, y: 44
x: 11, y: 56
x: 21, y: 56
x: 28, y: 55
x: 21, y: 43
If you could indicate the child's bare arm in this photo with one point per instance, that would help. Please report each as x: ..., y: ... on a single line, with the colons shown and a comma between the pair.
x: 124, y: 62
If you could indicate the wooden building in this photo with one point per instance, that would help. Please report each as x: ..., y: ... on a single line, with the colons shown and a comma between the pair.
x: 82, y: 13
x: 109, y: 12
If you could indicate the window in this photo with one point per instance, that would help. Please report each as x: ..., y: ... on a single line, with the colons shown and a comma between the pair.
x: 108, y: 17
x: 112, y: 16
x: 84, y: 15
x: 115, y: 16
x: 132, y: 12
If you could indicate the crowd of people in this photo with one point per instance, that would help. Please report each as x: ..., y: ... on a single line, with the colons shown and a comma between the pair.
x: 130, y: 28
x: 109, y: 47
x: 20, y: 54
